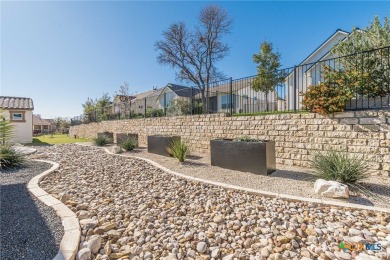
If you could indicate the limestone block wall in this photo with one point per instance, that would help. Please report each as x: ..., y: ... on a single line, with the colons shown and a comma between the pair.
x: 297, y: 136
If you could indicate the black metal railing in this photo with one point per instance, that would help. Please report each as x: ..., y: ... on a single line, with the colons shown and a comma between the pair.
x: 367, y: 73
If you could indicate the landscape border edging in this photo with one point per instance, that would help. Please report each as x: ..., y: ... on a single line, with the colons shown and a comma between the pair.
x: 256, y: 191
x: 71, y: 238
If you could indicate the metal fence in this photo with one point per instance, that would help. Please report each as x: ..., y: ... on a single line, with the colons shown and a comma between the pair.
x: 367, y: 75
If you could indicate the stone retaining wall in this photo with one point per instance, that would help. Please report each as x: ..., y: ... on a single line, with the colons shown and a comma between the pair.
x: 297, y: 136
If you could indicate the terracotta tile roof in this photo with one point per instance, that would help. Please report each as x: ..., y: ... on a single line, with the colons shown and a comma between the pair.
x: 16, y: 103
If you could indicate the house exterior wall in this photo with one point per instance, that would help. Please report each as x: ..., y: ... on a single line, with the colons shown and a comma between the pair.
x: 296, y: 136
x: 22, y: 130
x: 246, y: 100
x: 306, y: 75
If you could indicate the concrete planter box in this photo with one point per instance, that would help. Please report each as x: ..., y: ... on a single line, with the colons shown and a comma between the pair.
x: 107, y: 134
x: 254, y: 157
x: 121, y: 137
x: 158, y: 144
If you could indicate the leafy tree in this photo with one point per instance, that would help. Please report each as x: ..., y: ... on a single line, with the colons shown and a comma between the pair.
x: 104, y: 101
x: 89, y: 106
x: 268, y: 76
x: 195, y: 52
x: 371, y: 66
x: 61, y: 123
x: 375, y: 35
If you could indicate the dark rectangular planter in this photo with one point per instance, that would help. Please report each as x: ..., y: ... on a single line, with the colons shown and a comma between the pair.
x: 254, y: 157
x: 158, y: 144
x: 121, y: 137
x: 107, y: 134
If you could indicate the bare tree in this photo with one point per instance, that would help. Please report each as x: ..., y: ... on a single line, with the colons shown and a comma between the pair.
x: 195, y: 53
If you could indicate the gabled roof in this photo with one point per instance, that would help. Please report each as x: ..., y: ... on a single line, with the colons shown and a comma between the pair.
x: 337, y: 32
x: 146, y: 94
x: 182, y: 91
x: 7, y: 102
x: 39, y: 121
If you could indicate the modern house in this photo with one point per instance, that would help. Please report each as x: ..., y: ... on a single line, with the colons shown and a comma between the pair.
x: 41, y: 126
x: 309, y: 71
x: 173, y: 92
x: 19, y: 110
x: 243, y: 99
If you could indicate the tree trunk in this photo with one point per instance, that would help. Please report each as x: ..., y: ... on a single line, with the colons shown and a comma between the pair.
x: 266, y: 101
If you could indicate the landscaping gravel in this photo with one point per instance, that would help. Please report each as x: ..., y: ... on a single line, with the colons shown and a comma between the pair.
x: 129, y: 209
x: 28, y: 228
x: 286, y: 180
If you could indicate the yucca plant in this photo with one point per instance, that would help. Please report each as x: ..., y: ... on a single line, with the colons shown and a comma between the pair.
x: 130, y: 143
x: 102, y: 140
x: 179, y: 149
x: 10, y: 158
x: 340, y: 166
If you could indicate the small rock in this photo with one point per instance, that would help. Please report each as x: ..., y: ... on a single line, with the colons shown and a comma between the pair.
x: 201, y: 247
x: 88, y: 223
x: 342, y: 255
x: 94, y: 243
x: 84, y: 254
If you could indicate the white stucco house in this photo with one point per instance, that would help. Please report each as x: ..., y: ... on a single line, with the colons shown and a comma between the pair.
x: 308, y: 72
x: 19, y: 110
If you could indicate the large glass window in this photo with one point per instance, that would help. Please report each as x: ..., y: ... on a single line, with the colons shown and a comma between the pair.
x: 228, y: 101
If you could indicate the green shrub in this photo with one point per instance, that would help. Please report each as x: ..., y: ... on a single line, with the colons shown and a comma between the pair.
x: 179, y: 150
x: 10, y: 158
x: 150, y: 112
x: 102, y: 140
x: 130, y: 143
x: 245, y: 139
x: 339, y: 166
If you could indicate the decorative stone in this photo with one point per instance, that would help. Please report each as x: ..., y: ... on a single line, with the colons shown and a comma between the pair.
x: 88, y: 223
x: 116, y: 149
x: 84, y: 254
x: 331, y: 189
x: 94, y: 243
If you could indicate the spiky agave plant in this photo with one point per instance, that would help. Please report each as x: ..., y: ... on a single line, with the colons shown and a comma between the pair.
x: 130, y: 143
x: 179, y: 149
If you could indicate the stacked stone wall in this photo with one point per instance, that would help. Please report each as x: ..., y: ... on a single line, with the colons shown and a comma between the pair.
x: 297, y: 136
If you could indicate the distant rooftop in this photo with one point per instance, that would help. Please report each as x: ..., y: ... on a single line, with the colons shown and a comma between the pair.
x: 16, y: 103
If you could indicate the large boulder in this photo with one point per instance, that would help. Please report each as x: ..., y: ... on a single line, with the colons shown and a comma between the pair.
x: 331, y: 189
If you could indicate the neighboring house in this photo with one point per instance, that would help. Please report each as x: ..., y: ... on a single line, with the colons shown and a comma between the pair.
x: 41, y: 126
x: 145, y: 100
x: 173, y: 92
x: 53, y: 124
x: 308, y: 72
x: 243, y: 99
x: 19, y: 110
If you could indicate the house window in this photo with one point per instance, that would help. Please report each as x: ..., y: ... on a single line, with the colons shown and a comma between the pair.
x: 17, y: 116
x: 228, y: 101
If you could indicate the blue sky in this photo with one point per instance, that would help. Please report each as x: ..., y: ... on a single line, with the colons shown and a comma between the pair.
x: 60, y: 53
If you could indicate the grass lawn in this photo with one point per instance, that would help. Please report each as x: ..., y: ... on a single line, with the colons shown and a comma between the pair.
x: 272, y: 113
x: 56, y: 139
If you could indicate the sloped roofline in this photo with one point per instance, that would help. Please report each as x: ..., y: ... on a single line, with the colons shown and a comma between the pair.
x: 325, y: 42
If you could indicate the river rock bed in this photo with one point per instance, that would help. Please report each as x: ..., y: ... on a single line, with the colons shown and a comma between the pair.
x: 129, y: 209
